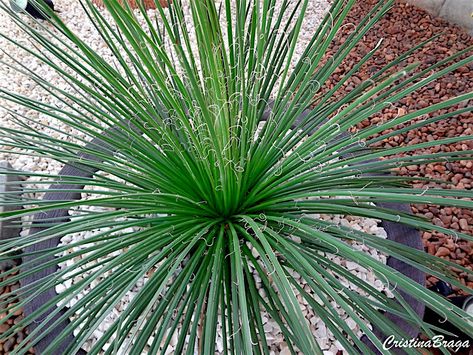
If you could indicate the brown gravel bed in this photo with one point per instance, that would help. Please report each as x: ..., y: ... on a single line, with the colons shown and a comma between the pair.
x: 402, y: 28
x: 7, y: 345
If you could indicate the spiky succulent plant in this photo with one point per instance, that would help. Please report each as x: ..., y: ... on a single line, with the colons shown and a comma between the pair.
x: 212, y: 157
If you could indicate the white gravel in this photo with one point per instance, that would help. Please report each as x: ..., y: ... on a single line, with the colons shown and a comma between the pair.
x: 73, y: 15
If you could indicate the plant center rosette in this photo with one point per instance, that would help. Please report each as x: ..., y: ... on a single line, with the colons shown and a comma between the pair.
x: 84, y: 267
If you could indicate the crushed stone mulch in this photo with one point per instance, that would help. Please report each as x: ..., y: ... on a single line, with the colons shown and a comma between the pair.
x: 402, y: 28
x: 8, y: 345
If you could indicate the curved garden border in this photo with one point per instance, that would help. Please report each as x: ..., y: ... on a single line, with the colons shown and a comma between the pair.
x: 395, y: 232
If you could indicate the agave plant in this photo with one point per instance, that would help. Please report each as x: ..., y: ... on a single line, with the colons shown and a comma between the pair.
x: 209, y: 172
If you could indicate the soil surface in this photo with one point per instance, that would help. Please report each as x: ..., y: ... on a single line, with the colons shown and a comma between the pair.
x: 7, y: 345
x: 402, y: 28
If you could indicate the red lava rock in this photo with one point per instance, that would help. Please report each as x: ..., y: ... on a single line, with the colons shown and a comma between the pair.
x: 442, y: 251
x: 431, y: 249
x: 463, y: 223
x: 466, y: 248
x: 8, y: 345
